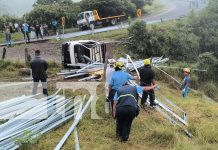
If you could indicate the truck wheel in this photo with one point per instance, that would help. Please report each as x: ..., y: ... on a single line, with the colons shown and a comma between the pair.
x: 113, y: 21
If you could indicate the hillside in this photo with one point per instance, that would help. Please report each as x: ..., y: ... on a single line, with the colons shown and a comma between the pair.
x: 149, y: 131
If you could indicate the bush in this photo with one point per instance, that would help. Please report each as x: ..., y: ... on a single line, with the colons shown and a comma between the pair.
x: 208, y: 62
x: 173, y: 42
x: 210, y: 90
x: 109, y: 7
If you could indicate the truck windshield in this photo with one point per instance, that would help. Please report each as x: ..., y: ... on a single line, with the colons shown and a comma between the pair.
x: 80, y: 16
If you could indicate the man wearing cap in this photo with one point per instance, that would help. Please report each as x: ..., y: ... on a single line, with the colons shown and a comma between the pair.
x: 118, y: 79
x: 147, y: 79
x: 186, y: 83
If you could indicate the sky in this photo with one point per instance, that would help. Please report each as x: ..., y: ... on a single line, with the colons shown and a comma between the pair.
x: 16, y: 7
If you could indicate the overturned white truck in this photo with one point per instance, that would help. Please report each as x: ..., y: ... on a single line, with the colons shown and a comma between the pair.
x: 77, y: 54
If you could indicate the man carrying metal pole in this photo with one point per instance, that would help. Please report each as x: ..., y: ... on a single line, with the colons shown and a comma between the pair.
x: 147, y: 79
x: 39, y: 67
x: 186, y: 83
x: 118, y: 79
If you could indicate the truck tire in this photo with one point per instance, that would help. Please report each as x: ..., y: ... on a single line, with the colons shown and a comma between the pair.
x: 113, y: 22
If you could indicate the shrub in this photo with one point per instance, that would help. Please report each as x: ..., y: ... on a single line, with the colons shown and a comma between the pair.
x: 210, y: 89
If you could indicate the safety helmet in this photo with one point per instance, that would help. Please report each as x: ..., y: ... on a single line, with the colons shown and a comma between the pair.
x: 147, y: 61
x: 186, y: 70
x: 119, y: 64
x: 111, y: 61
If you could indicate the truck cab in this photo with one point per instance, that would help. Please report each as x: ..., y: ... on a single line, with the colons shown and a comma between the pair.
x: 76, y: 54
x: 84, y: 19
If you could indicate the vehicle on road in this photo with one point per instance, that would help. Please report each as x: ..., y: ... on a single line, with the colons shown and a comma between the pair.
x: 91, y: 19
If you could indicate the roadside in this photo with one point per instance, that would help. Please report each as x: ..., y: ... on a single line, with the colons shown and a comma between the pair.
x: 156, y: 8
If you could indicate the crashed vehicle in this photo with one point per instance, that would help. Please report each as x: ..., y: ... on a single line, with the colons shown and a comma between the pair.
x: 77, y: 54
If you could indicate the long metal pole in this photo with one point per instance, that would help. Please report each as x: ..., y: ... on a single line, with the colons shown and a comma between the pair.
x: 78, y: 118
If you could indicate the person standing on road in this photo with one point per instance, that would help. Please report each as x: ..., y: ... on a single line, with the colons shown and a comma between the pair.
x: 39, y: 68
x: 147, y: 79
x: 118, y: 79
x: 186, y: 83
x: 26, y: 30
x: 16, y: 26
x: 126, y: 108
x: 8, y: 37
x: 38, y: 31
x: 54, y: 25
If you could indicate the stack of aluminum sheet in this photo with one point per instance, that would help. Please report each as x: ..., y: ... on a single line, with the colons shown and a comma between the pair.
x: 27, y: 117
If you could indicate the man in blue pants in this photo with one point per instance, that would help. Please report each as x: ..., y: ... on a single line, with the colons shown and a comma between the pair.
x: 126, y: 108
x: 186, y: 83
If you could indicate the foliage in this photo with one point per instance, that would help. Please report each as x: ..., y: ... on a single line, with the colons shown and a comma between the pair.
x: 208, y: 62
x: 109, y: 7
x: 139, y: 41
x: 204, y: 25
x: 210, y: 90
x: 172, y: 41
x: 49, y: 2
x: 141, y: 3
x: 47, y: 13
x: 7, y: 19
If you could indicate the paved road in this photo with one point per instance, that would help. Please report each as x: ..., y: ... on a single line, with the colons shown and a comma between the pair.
x: 174, y: 9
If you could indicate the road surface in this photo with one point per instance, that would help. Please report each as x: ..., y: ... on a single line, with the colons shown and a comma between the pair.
x: 174, y: 9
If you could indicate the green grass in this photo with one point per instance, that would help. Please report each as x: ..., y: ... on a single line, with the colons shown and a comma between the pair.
x: 149, y: 131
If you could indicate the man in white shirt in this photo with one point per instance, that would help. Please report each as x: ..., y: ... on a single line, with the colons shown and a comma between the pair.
x: 108, y: 74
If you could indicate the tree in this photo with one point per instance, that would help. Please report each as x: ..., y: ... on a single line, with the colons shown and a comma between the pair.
x: 46, y: 13
x: 141, y: 3
x: 109, y: 7
x: 48, y: 2
x: 204, y: 25
x: 139, y: 41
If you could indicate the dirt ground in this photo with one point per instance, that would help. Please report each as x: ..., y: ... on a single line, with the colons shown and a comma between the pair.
x: 50, y: 51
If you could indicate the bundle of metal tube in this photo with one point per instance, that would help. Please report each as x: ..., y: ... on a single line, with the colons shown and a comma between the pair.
x: 156, y: 61
x: 50, y: 113
x: 85, y: 70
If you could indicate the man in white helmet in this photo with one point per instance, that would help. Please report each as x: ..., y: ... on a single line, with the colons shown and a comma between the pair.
x: 109, y: 71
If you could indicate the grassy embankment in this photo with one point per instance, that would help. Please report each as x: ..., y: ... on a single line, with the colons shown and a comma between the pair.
x: 149, y: 131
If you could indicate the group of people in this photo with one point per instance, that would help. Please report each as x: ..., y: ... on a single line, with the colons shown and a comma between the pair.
x: 29, y: 31
x: 123, y: 96
x: 37, y: 31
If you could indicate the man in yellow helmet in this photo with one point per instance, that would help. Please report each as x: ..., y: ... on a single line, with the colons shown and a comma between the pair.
x: 147, y: 79
x: 186, y: 82
x: 118, y: 79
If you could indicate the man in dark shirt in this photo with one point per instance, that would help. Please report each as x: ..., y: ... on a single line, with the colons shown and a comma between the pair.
x: 126, y: 108
x: 39, y: 67
x: 38, y: 31
x: 147, y: 79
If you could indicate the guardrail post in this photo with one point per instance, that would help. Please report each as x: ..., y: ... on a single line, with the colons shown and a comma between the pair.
x: 4, y: 53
